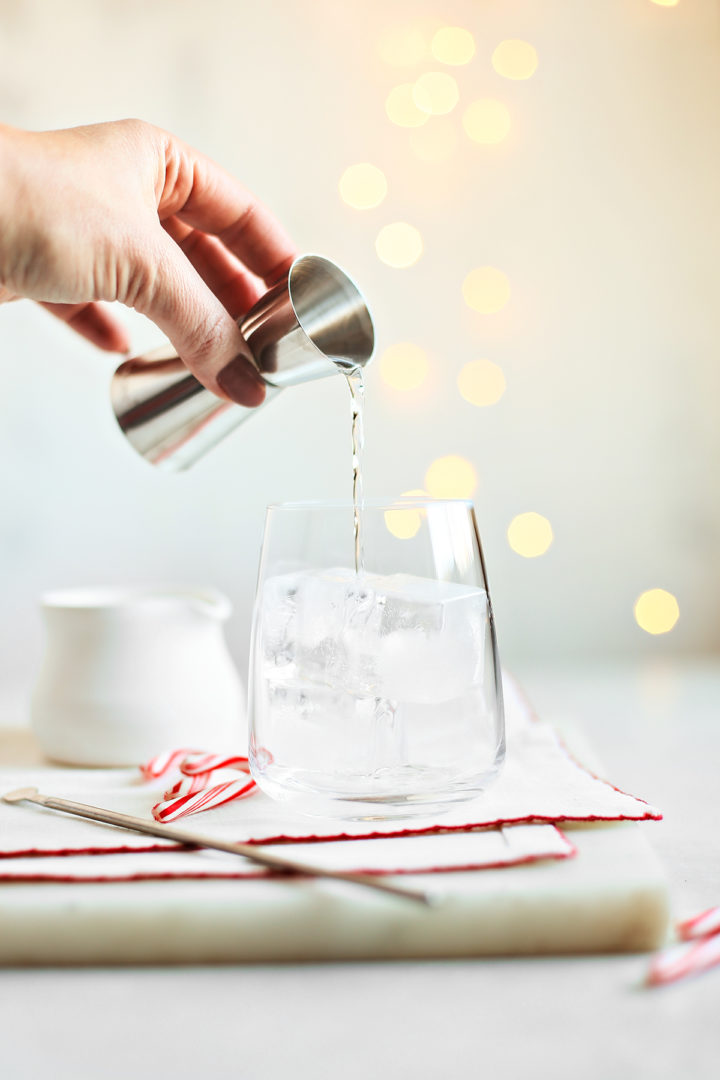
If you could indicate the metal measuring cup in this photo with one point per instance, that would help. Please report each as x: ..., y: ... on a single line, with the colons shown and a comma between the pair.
x: 313, y: 323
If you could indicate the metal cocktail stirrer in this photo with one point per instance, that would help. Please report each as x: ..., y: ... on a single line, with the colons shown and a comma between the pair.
x: 181, y: 836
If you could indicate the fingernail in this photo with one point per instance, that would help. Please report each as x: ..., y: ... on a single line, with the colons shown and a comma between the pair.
x: 241, y: 383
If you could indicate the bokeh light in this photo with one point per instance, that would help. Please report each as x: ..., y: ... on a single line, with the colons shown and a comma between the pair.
x: 530, y: 535
x: 656, y: 611
x: 514, y: 59
x: 453, y: 45
x: 434, y: 142
x: 666, y: 3
x: 399, y: 245
x: 363, y: 186
x: 404, y: 366
x: 404, y: 524
x: 401, y: 108
x: 451, y: 477
x: 402, y: 46
x: 486, y: 289
x: 481, y: 382
x: 436, y: 93
x: 487, y: 121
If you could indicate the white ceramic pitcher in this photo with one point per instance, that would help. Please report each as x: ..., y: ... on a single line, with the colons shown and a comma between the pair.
x: 129, y: 673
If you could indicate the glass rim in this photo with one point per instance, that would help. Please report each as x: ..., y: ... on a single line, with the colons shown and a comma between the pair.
x: 400, y: 502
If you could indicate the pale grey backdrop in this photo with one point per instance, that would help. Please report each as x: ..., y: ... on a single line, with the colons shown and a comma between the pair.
x: 602, y: 208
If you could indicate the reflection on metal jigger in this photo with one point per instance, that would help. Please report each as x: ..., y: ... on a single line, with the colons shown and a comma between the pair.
x: 313, y: 323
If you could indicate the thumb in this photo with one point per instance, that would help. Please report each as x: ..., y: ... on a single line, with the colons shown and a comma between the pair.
x: 205, y: 336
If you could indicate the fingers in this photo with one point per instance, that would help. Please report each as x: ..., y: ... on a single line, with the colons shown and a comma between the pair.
x: 207, y: 198
x: 93, y: 322
x: 206, y: 337
x: 235, y: 287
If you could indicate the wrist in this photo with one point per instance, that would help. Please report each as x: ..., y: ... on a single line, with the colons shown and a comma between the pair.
x: 8, y: 165
x: 12, y: 200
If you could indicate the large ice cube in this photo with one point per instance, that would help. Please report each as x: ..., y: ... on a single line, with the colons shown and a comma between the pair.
x: 326, y: 623
x: 433, y: 643
x: 278, y: 619
x: 397, y: 636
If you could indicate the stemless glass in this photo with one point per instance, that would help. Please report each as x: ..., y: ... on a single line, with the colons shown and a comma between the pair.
x: 374, y: 694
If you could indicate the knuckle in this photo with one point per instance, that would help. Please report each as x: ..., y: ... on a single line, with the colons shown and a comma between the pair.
x: 233, y: 233
x: 131, y: 275
x: 134, y: 127
x: 138, y: 134
x: 203, y: 343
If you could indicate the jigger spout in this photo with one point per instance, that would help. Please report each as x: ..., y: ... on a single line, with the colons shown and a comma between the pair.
x: 313, y: 323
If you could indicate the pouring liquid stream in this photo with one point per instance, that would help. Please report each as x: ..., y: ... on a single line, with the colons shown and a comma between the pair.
x: 357, y: 395
x: 388, y: 739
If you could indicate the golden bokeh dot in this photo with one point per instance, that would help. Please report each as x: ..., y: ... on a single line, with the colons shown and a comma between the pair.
x: 530, y: 535
x: 486, y: 289
x: 481, y: 382
x: 404, y: 524
x: 434, y: 142
x: 487, y: 121
x: 666, y: 3
x: 514, y: 59
x: 401, y: 108
x: 404, y: 366
x: 451, y: 477
x: 453, y: 45
x: 399, y: 245
x: 656, y: 611
x: 363, y: 186
x: 436, y: 93
x: 402, y: 46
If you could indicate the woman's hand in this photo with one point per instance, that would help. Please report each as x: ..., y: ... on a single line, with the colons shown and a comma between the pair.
x: 125, y: 211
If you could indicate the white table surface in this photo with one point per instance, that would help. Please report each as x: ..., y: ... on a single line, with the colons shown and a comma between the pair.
x: 657, y: 728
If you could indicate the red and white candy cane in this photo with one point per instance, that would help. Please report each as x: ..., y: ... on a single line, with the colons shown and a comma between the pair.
x: 207, y: 781
x: 703, y: 925
x: 190, y: 785
x: 195, y: 764
x: 208, y: 799
x: 680, y: 961
x: 161, y: 764
x: 187, y: 785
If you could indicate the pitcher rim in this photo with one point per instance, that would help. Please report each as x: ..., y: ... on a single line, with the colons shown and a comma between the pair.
x: 99, y: 598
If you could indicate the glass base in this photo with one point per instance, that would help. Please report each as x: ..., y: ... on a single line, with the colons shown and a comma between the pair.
x: 392, y: 794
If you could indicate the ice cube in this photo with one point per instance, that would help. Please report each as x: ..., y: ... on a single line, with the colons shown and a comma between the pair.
x: 327, y: 622
x: 278, y: 607
x: 433, y: 645
x: 398, y: 636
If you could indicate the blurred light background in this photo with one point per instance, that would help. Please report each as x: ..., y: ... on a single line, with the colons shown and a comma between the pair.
x: 527, y: 190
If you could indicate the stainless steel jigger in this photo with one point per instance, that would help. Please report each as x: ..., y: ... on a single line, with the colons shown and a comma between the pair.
x: 312, y: 324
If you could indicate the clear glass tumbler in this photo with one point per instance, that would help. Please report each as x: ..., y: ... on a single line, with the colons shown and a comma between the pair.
x: 374, y: 694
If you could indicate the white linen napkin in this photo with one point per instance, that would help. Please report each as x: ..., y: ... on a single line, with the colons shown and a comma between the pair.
x: 494, y: 848
x: 540, y: 783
